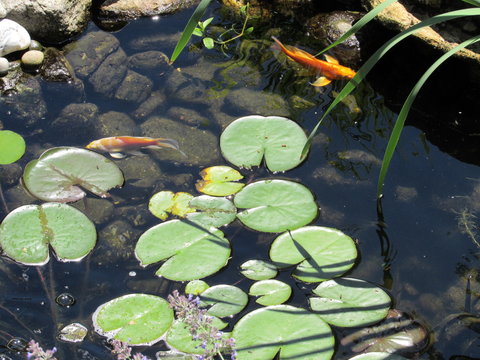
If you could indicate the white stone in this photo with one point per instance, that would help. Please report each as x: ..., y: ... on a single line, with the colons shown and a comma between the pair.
x: 13, y: 37
x: 3, y: 65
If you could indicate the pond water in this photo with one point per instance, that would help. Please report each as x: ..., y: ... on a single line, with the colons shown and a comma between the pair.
x: 417, y: 248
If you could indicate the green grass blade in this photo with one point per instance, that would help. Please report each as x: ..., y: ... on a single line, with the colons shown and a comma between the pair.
x: 365, y: 69
x: 188, y: 31
x: 399, y: 124
x: 472, y: 2
x: 359, y: 24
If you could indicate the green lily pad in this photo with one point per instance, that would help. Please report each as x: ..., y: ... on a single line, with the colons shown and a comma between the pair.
x: 224, y: 300
x: 165, y: 202
x: 27, y: 231
x: 215, y: 211
x: 275, y: 205
x: 190, y: 251
x: 271, y: 292
x: 219, y: 181
x: 179, y: 337
x: 297, y: 333
x: 350, y: 302
x: 12, y: 147
x: 321, y: 253
x: 196, y: 287
x: 136, y: 319
x: 258, y: 270
x: 247, y: 140
x: 61, y: 173
x: 378, y: 356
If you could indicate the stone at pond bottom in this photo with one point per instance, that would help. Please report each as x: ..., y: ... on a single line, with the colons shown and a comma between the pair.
x: 32, y: 59
x: 13, y: 37
x: 3, y: 66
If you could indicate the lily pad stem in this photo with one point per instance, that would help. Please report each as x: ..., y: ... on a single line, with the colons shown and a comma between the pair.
x: 4, y: 202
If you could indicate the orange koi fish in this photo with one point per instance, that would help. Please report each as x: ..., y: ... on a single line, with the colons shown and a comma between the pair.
x: 330, y: 69
x: 118, y: 145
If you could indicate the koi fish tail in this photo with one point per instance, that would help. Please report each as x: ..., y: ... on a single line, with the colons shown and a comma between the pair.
x: 278, y: 45
x: 168, y: 143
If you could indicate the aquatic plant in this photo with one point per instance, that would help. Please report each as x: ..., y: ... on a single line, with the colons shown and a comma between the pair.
x: 466, y: 225
x: 365, y: 69
x: 35, y: 352
x: 12, y: 147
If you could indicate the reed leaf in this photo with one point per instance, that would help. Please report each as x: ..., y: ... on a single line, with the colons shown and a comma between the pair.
x: 472, y: 2
x: 365, y: 69
x: 359, y: 24
x: 189, y: 28
x: 399, y: 124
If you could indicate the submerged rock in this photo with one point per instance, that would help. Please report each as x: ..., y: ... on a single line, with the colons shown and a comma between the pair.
x: 188, y: 116
x: 56, y: 67
x: 110, y: 74
x: 10, y: 173
x: 114, y: 123
x: 150, y: 61
x: 116, y: 242
x: 127, y: 9
x: 134, y: 87
x: 75, y: 122
x: 13, y: 37
x: 155, y: 102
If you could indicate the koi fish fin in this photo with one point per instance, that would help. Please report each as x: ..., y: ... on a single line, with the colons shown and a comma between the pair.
x: 321, y: 81
x: 168, y: 143
x: 117, y: 155
x: 331, y: 59
x: 136, y: 152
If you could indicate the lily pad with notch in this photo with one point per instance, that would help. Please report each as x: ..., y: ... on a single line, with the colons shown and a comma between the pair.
x: 270, y: 292
x: 189, y: 250
x: 275, y: 205
x: 165, y: 202
x: 219, y: 181
x: 258, y: 269
x: 294, y: 332
x: 320, y: 253
x: 214, y: 211
x: 12, y: 147
x: 61, y: 174
x: 136, y: 319
x: 27, y: 231
x: 247, y: 140
x: 223, y: 300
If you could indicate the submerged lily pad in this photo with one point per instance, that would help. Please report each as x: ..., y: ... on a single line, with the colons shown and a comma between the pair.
x: 27, y: 231
x: 297, y: 333
x: 61, y: 173
x: 136, y: 319
x: 258, y: 270
x: 215, y: 211
x: 190, y: 251
x: 321, y: 253
x: 270, y: 292
x: 12, y: 147
x: 165, y: 202
x: 275, y: 205
x: 219, y: 181
x: 350, y: 302
x: 247, y: 140
x: 224, y: 300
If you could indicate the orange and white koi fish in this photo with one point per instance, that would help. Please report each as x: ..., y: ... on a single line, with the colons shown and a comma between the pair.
x: 117, y: 146
x: 330, y: 69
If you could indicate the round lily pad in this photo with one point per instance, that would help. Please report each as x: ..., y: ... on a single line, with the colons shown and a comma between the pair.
x: 297, y: 333
x: 12, y: 147
x: 350, y: 302
x: 219, y: 181
x: 214, y: 211
x: 271, y: 292
x: 190, y: 251
x: 196, y: 287
x: 136, y: 319
x: 161, y: 203
x: 27, y: 231
x: 61, y: 173
x: 224, y: 300
x: 258, y: 270
x: 247, y: 140
x: 321, y: 253
x: 275, y: 205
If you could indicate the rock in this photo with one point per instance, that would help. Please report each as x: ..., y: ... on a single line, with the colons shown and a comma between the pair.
x: 87, y: 53
x: 10, y: 174
x: 150, y: 61
x: 199, y: 146
x: 116, y: 242
x: 52, y: 21
x: 156, y: 101
x: 56, y: 67
x: 3, y: 66
x: 154, y: 41
x: 17, y: 196
x: 35, y: 45
x: 189, y: 116
x: 98, y: 210
x: 110, y: 74
x: 32, y: 59
x: 75, y: 122
x: 141, y: 171
x: 137, y: 215
x: 134, y: 87
x: 114, y: 123
x: 13, y: 37
x: 128, y: 9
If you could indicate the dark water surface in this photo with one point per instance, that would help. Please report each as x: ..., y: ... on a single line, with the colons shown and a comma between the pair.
x: 415, y: 248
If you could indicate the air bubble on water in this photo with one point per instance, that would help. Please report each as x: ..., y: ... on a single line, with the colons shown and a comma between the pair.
x: 17, y: 344
x: 65, y: 300
x: 132, y: 273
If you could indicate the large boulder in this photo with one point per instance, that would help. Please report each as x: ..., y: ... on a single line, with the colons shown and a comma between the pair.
x: 51, y: 21
x: 128, y: 9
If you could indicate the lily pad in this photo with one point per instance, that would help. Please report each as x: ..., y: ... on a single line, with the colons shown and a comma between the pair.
x: 247, y: 140
x: 219, y: 181
x: 378, y: 356
x: 321, y: 253
x: 196, y: 287
x: 215, y: 211
x: 136, y: 319
x: 271, y: 292
x: 61, y: 173
x: 12, y: 147
x: 350, y: 302
x: 258, y: 270
x: 190, y: 251
x: 297, y: 333
x: 275, y: 205
x: 165, y: 202
x: 27, y: 231
x: 224, y: 300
